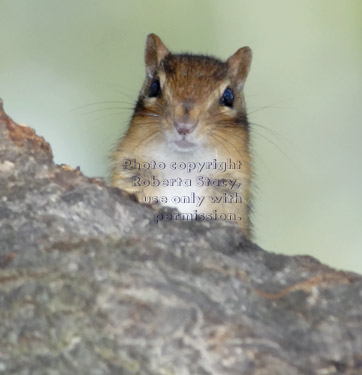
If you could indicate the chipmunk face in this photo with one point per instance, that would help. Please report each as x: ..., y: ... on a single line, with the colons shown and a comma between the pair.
x: 189, y: 101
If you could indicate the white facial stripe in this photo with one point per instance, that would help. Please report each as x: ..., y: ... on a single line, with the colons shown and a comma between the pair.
x: 216, y: 94
x: 162, y: 78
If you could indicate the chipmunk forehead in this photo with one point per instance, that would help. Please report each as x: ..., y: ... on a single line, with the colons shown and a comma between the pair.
x: 190, y: 74
x: 194, y: 66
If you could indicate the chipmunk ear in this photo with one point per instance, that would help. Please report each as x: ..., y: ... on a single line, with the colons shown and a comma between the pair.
x: 155, y: 52
x: 239, y: 65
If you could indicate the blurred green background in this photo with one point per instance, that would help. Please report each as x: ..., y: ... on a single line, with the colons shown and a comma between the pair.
x: 72, y: 71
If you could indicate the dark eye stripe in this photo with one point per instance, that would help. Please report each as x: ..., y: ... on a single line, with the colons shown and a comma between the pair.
x: 155, y: 89
x: 227, y: 98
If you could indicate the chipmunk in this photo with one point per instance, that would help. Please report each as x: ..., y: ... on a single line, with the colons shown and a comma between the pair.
x: 187, y: 145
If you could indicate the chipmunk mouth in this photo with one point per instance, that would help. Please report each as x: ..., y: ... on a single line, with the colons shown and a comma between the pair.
x: 184, y: 144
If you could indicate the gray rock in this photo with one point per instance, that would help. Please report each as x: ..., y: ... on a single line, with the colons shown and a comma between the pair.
x: 89, y: 284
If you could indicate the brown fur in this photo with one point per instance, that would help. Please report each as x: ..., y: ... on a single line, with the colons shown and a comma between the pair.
x: 191, y: 87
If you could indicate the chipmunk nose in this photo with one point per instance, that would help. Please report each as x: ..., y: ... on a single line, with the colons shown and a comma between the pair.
x: 186, y: 117
x: 184, y: 128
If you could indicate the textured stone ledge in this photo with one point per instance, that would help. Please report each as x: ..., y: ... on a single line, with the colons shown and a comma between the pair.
x: 90, y: 285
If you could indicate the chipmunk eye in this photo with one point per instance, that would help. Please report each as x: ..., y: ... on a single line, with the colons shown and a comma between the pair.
x: 155, y: 89
x: 227, y: 98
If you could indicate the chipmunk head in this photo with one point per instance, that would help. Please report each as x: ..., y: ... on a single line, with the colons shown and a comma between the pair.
x: 186, y: 99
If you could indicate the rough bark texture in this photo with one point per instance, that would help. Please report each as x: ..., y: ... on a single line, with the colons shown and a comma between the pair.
x: 90, y: 285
